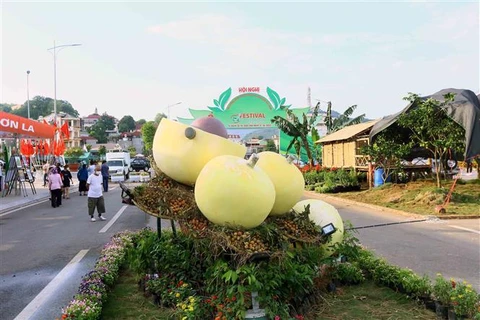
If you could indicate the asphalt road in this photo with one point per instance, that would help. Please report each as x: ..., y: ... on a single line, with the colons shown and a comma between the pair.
x: 37, y: 243
x: 449, y: 247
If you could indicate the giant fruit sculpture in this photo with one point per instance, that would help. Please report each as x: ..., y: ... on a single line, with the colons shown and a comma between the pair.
x: 323, y: 213
x: 287, y: 179
x: 233, y: 191
x: 181, y: 151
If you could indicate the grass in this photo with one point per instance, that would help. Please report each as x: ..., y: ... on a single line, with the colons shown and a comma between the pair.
x: 368, y: 301
x: 365, y: 301
x: 422, y: 196
x: 126, y: 302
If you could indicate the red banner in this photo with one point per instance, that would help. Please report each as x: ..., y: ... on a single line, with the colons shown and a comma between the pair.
x: 16, y: 124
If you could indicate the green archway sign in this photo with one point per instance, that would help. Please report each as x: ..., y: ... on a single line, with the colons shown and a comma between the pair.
x: 248, y: 111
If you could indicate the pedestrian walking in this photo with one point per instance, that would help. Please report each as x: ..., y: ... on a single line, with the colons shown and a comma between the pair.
x: 67, y: 178
x: 55, y: 186
x: 105, y: 175
x: 82, y: 176
x: 95, y: 195
x: 91, y: 168
x: 45, y: 168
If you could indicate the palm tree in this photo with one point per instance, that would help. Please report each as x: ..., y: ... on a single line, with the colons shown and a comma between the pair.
x: 297, y: 130
x: 343, y: 120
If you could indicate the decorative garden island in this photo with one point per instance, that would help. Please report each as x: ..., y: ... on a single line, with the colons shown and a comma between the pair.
x: 248, y: 247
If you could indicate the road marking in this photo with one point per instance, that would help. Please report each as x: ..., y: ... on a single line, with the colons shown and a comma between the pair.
x: 466, y: 229
x: 24, y: 207
x: 111, y: 222
x: 51, y: 287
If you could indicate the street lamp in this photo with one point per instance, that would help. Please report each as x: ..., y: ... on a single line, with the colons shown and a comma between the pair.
x: 54, y: 48
x: 169, y: 106
x: 28, y: 96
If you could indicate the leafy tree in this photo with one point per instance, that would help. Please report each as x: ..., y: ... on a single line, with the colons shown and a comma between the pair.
x: 148, y: 133
x: 298, y: 130
x: 387, y: 151
x: 102, y: 150
x: 141, y: 122
x: 132, y: 151
x: 126, y: 124
x: 335, y: 124
x: 44, y: 106
x: 98, y: 130
x: 316, y: 148
x: 159, y: 118
x: 271, y: 146
x: 432, y: 129
x: 89, y: 147
x: 6, y: 107
x: 74, y: 152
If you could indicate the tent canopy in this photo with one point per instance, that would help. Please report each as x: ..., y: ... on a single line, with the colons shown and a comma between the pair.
x: 464, y: 110
x: 27, y: 127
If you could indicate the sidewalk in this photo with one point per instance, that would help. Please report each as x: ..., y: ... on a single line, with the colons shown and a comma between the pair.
x: 18, y: 200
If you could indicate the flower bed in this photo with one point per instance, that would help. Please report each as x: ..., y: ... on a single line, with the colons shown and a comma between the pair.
x: 332, y: 180
x: 92, y: 293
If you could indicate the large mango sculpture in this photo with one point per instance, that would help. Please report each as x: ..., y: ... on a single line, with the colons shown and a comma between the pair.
x: 181, y: 151
x: 287, y: 179
x: 322, y: 213
x: 232, y: 191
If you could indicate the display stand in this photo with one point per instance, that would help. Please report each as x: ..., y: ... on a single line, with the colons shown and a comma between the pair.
x: 11, y: 177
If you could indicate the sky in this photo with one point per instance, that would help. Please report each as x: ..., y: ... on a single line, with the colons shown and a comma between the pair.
x: 139, y: 58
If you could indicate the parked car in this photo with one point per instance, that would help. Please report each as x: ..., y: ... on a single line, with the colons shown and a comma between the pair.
x: 138, y: 164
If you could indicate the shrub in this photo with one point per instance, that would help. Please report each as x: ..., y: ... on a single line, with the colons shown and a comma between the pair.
x: 348, y: 273
x: 442, y: 289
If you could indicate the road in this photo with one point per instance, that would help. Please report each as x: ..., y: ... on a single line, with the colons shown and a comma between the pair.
x: 38, y: 242
x: 449, y: 247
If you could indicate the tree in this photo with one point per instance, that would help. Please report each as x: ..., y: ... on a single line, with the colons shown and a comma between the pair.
x: 102, y: 150
x: 432, y: 129
x: 89, y: 147
x: 342, y: 121
x: 132, y: 151
x: 271, y: 146
x: 98, y: 130
x: 387, y: 151
x: 126, y: 124
x: 316, y: 148
x: 6, y: 107
x: 141, y: 122
x: 44, y: 106
x: 148, y: 133
x: 159, y: 118
x: 298, y: 130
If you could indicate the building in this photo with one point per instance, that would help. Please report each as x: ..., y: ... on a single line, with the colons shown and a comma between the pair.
x: 90, y: 120
x: 74, y: 126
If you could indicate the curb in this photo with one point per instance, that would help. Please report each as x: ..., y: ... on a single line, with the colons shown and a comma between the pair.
x: 34, y: 201
x: 386, y: 209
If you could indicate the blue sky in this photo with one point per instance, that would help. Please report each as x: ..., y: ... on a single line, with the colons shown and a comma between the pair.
x: 138, y: 58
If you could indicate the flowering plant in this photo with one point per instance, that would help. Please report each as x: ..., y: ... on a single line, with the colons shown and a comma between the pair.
x: 442, y: 289
x: 82, y: 310
x: 464, y: 299
x: 87, y: 304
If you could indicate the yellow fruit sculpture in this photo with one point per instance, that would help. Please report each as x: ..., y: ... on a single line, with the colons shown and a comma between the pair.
x: 287, y: 179
x: 323, y: 213
x: 181, y: 151
x: 233, y: 191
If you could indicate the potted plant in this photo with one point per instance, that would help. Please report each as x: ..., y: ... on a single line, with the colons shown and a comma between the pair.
x: 441, y: 291
x: 463, y: 301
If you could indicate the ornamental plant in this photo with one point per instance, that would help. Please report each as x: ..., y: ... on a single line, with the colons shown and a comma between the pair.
x: 464, y: 299
x: 442, y: 289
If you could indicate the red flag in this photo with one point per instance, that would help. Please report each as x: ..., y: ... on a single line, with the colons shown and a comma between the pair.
x: 22, y: 147
x: 46, y: 148
x: 65, y: 130
x: 29, y: 148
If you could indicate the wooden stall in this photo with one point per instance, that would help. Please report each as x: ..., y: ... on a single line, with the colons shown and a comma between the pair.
x: 341, y: 149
